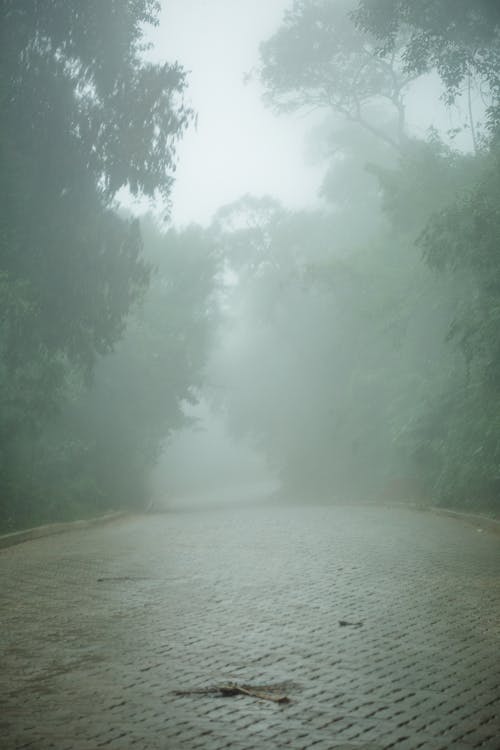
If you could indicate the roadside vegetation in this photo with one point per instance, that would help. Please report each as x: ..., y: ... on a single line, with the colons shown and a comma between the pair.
x: 356, y: 345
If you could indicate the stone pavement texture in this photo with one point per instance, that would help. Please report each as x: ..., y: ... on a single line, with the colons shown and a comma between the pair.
x: 101, y: 626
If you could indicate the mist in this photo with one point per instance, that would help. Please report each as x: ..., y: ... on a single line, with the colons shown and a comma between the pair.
x: 316, y: 168
x: 250, y: 373
x: 279, y: 282
x: 205, y: 467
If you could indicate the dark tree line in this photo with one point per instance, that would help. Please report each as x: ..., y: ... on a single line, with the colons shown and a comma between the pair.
x: 82, y: 117
x: 357, y: 344
x: 377, y: 329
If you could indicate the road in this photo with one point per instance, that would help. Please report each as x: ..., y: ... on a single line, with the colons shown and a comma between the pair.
x: 101, y: 627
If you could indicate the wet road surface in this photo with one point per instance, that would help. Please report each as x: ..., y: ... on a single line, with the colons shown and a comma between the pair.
x: 101, y: 627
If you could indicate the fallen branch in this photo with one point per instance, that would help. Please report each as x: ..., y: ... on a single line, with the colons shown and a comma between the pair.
x: 232, y: 688
x: 255, y: 693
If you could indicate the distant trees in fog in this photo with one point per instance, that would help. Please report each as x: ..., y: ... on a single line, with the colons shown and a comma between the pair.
x: 82, y: 116
x: 375, y: 337
x: 357, y: 344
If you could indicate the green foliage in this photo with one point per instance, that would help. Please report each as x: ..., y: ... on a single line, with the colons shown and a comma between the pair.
x: 83, y: 116
x: 319, y: 58
x: 460, y: 39
x: 347, y: 339
x: 77, y: 71
x: 376, y: 332
x: 136, y: 397
x: 462, y: 241
x: 104, y: 436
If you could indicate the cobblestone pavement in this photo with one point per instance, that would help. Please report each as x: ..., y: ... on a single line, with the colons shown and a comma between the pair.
x: 100, y: 627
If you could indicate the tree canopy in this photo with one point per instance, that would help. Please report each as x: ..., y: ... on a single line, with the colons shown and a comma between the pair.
x: 83, y: 116
x: 318, y: 58
x: 460, y: 39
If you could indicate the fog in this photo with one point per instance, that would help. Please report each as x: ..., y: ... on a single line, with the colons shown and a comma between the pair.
x: 238, y: 148
x: 237, y: 145
x: 249, y: 374
x: 249, y: 252
x: 204, y: 467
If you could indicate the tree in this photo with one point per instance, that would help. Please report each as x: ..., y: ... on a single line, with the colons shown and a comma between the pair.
x: 458, y: 38
x: 319, y: 58
x: 97, y: 452
x: 82, y: 116
x: 459, y: 238
x: 308, y: 366
x: 137, y: 395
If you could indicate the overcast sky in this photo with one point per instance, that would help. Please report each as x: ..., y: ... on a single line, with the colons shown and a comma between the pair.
x: 240, y: 146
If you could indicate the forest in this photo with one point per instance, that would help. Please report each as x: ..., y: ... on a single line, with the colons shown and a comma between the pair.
x: 355, y: 344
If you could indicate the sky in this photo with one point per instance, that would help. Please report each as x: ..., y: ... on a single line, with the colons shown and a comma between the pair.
x: 239, y: 146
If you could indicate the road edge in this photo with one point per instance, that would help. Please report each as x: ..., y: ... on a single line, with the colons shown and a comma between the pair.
x: 50, y: 529
x: 482, y: 523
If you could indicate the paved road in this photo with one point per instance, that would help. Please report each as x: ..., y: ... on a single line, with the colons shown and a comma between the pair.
x: 101, y: 626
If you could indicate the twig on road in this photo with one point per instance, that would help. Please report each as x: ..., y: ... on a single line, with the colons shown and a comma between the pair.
x: 265, y: 693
